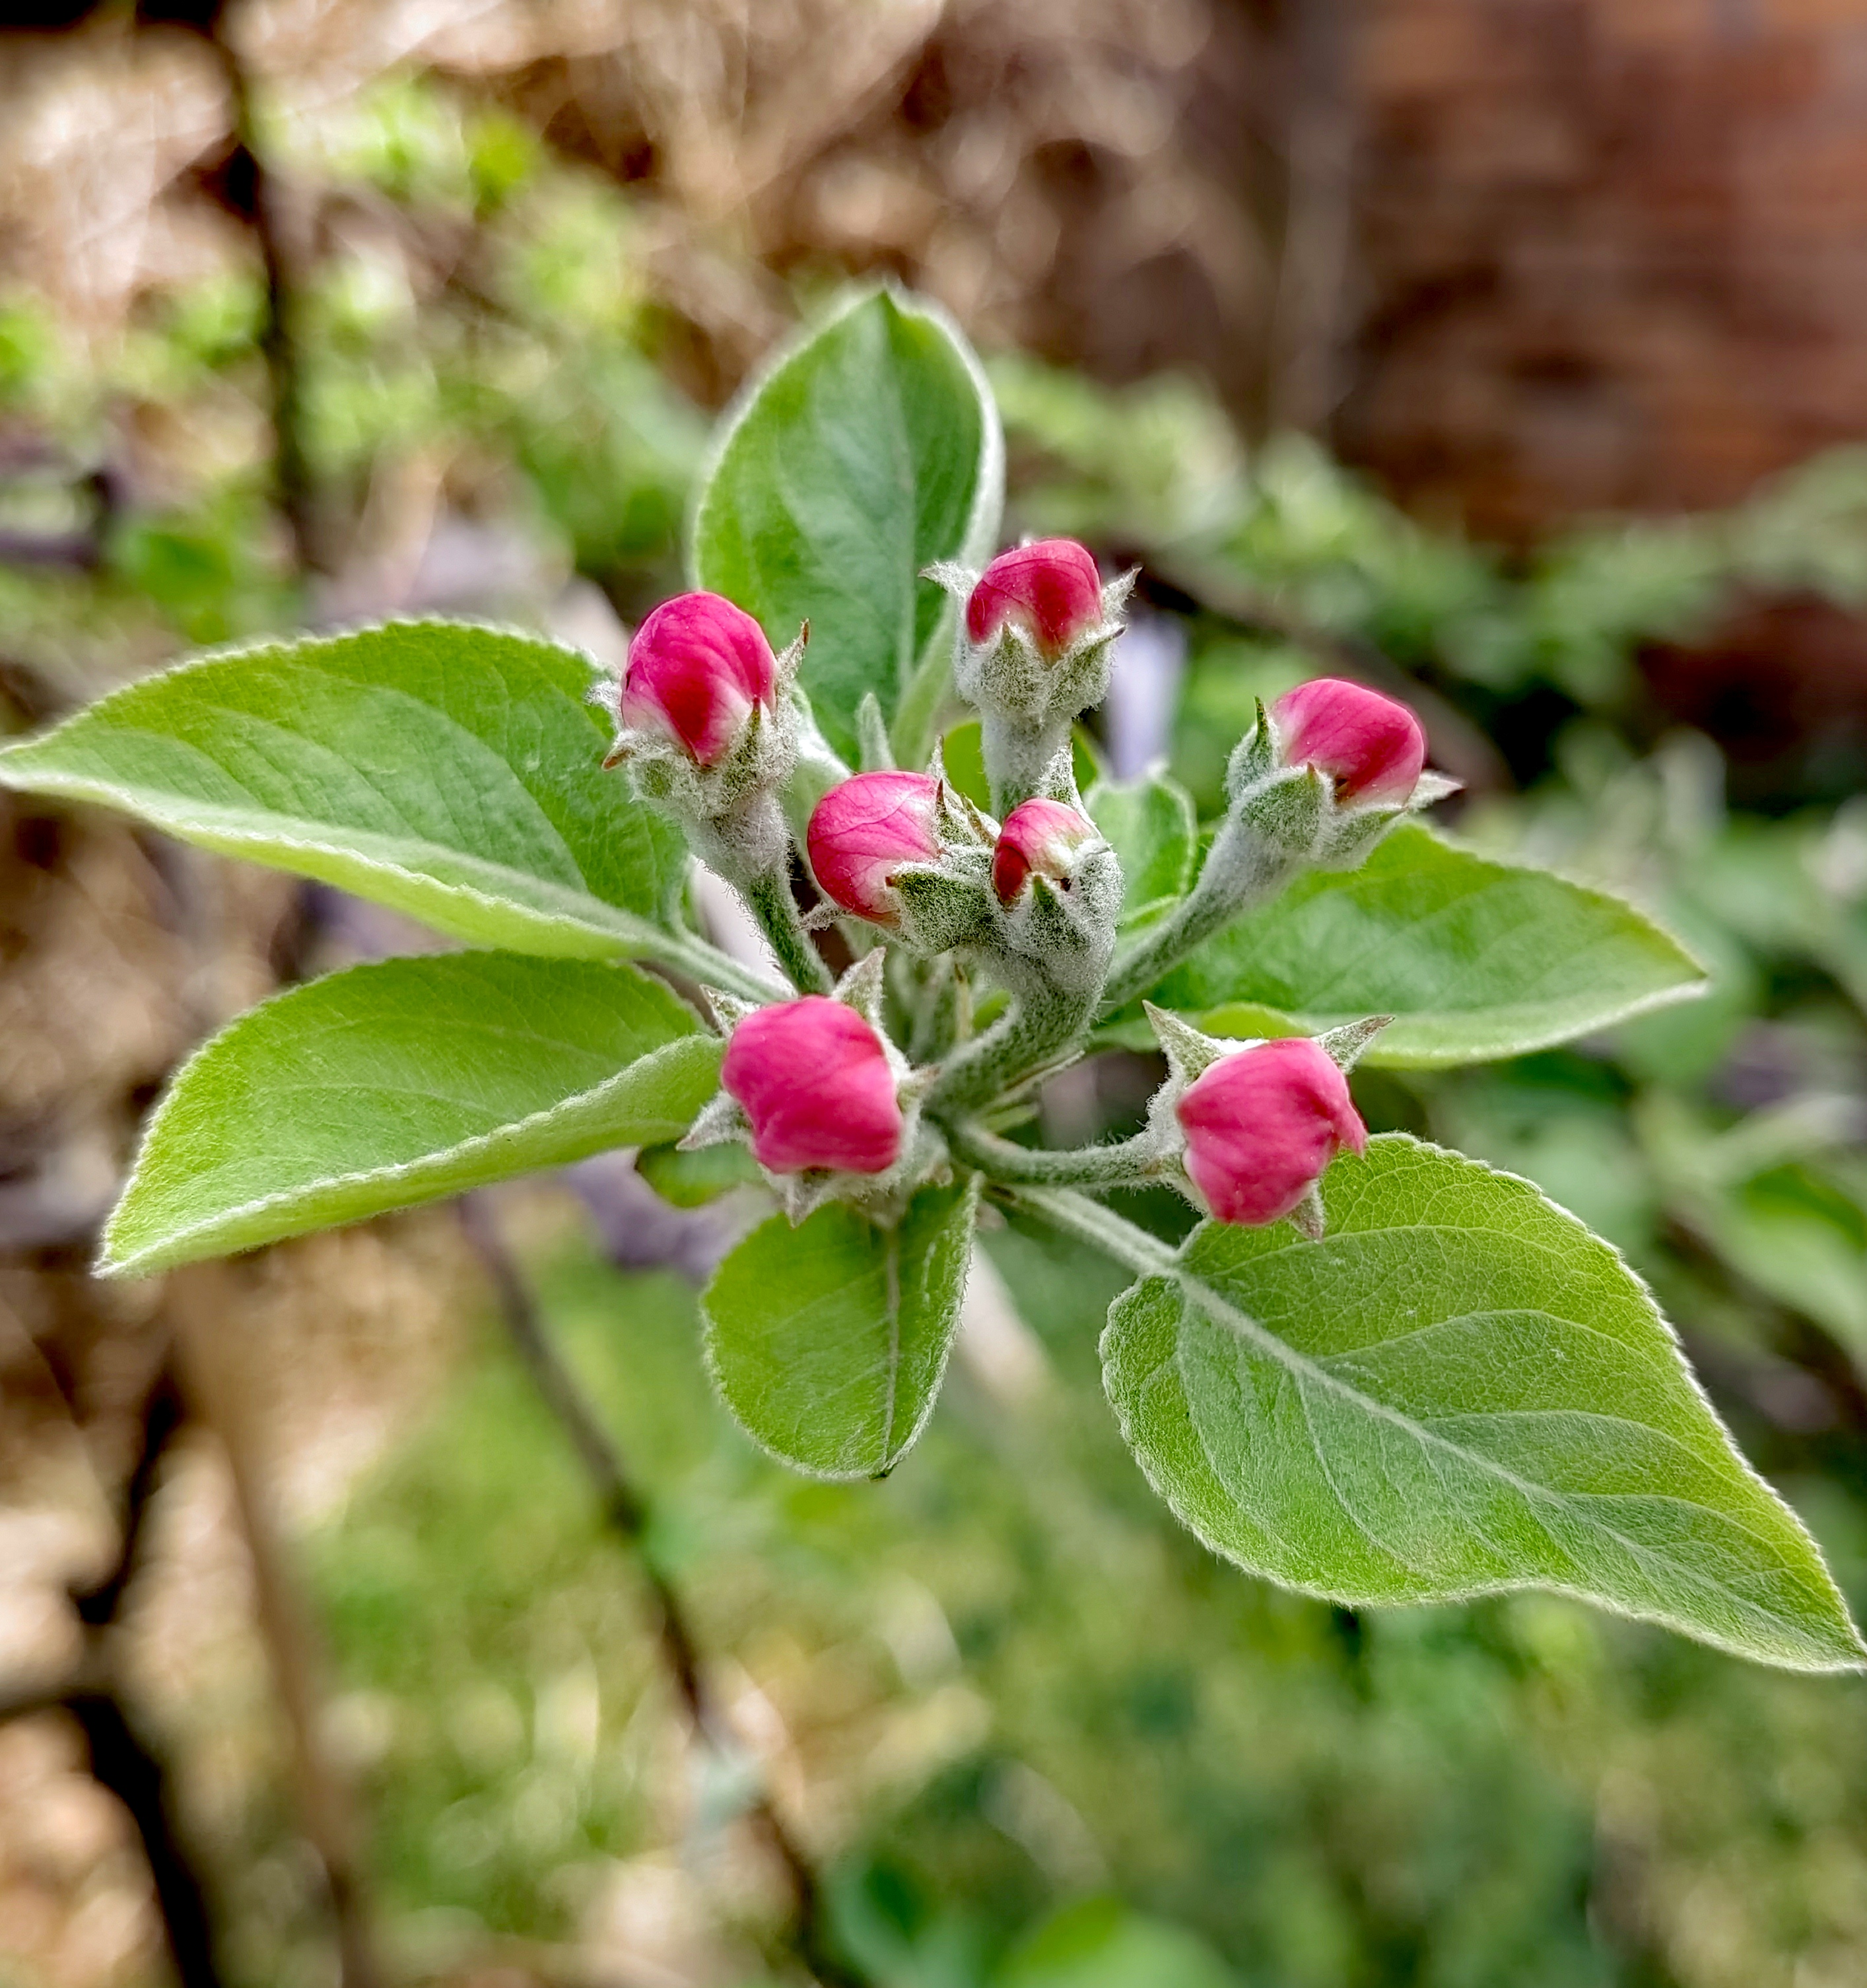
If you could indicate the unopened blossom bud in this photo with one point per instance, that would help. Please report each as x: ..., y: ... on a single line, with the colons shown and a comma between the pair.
x: 1372, y: 747
x: 1262, y: 1124
x: 696, y: 667
x: 815, y: 1081
x: 864, y: 830
x: 1051, y: 587
x: 1039, y: 837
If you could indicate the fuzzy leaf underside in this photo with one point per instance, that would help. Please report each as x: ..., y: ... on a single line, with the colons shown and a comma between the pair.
x: 450, y: 772
x: 1458, y: 1391
x: 828, y: 1342
x: 400, y: 1082
x: 1475, y: 960
x: 869, y: 451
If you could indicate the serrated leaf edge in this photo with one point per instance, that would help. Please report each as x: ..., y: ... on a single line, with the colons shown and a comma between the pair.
x: 162, y: 1255
x: 982, y: 521
x: 992, y: 446
x: 1279, y: 1349
x: 1388, y: 1056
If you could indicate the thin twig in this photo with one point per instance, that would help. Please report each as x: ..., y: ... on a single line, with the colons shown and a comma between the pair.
x: 626, y: 1511
x: 258, y: 196
x: 121, y: 1760
x: 125, y: 1765
x: 201, y: 1302
x: 162, y: 1417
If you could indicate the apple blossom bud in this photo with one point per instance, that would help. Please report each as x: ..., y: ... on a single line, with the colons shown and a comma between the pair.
x: 696, y: 667
x: 1039, y: 837
x: 864, y: 830
x: 1052, y: 587
x: 1372, y: 747
x: 814, y: 1079
x: 1262, y: 1124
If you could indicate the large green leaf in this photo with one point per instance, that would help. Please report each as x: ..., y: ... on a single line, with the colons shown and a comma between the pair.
x: 398, y: 1082
x: 828, y: 1341
x: 1474, y: 959
x: 868, y: 450
x: 1458, y: 1390
x: 451, y: 771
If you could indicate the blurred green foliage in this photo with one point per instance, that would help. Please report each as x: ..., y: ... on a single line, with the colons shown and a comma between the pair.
x: 1033, y: 1692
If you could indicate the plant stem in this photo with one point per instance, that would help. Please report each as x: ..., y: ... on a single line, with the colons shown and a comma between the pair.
x: 627, y: 1512
x: 1134, y: 1162
x: 775, y: 909
x: 1241, y: 872
x: 688, y: 953
x: 1089, y: 1222
x: 1013, y: 1051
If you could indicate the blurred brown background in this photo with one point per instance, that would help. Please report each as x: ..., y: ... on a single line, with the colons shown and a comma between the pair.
x: 1526, y: 259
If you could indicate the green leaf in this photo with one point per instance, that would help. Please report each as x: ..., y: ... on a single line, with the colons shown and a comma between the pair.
x: 692, y: 1180
x: 400, y: 1082
x: 1100, y: 1942
x: 1149, y: 823
x: 1786, y: 1215
x: 453, y: 773
x: 828, y: 1341
x: 867, y: 452
x: 1458, y: 1391
x: 1474, y: 959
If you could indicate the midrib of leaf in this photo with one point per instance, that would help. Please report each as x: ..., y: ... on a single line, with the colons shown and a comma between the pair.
x: 1222, y: 1311
x: 1153, y: 1259
x: 506, y: 892
x: 294, y: 742
x: 1447, y: 914
x: 891, y: 1273
x: 473, y: 748
x: 906, y: 653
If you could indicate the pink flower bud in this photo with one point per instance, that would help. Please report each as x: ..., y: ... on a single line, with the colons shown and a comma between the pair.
x: 1262, y: 1124
x: 1039, y: 837
x: 697, y: 666
x: 1372, y: 747
x: 816, y: 1082
x: 862, y: 831
x: 1052, y: 587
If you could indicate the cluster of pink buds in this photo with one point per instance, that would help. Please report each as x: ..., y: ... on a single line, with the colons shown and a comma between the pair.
x: 709, y: 724
x: 907, y: 853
